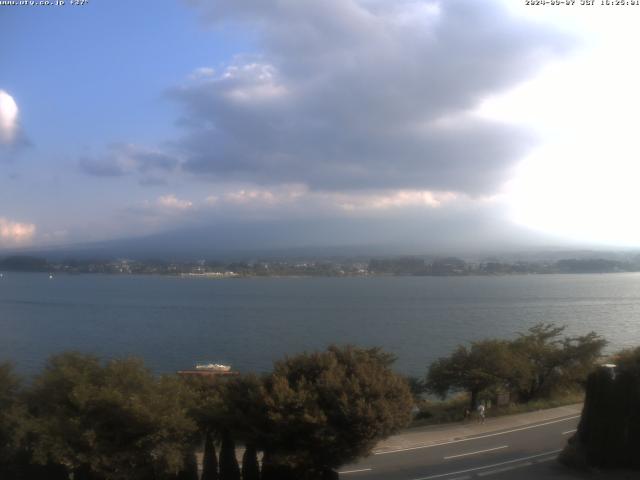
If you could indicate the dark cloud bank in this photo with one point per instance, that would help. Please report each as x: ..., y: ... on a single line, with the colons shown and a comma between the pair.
x: 347, y: 94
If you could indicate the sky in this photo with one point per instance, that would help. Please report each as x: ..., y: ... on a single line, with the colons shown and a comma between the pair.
x: 459, y: 124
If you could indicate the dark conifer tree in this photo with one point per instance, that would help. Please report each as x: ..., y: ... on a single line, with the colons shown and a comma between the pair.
x: 210, y: 460
x: 250, y: 467
x: 229, y: 468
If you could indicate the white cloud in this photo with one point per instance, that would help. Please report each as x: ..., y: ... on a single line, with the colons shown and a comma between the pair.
x: 398, y: 199
x: 262, y: 196
x: 15, y: 233
x: 289, y: 198
x: 8, y: 118
x: 174, y: 203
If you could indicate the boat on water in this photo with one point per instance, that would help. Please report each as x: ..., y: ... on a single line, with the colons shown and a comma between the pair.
x: 214, y: 367
x: 208, y: 370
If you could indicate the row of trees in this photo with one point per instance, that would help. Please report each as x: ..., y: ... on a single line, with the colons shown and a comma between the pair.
x: 114, y: 420
x: 536, y: 364
x: 90, y: 420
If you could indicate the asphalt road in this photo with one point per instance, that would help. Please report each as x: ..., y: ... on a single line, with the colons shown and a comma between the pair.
x: 520, y: 450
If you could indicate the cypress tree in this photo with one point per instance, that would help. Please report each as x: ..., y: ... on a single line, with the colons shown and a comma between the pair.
x: 209, y: 461
x: 229, y: 468
x: 250, y: 467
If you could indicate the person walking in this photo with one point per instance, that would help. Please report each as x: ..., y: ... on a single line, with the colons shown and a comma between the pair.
x: 481, y: 413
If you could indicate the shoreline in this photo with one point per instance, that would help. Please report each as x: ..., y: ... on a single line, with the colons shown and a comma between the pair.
x: 215, y: 276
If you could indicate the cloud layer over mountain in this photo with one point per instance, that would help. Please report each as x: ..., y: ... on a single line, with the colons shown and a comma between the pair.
x: 347, y: 95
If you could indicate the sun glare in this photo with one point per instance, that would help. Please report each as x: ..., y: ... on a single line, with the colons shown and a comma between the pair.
x: 580, y: 183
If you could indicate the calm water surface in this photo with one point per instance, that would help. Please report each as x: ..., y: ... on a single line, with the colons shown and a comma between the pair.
x: 171, y: 322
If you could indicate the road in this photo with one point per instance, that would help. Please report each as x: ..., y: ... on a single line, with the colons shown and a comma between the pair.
x: 484, y: 455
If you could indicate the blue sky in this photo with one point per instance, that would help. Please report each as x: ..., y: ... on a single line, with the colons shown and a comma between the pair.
x: 122, y: 119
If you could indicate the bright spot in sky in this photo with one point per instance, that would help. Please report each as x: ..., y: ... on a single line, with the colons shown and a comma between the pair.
x: 581, y: 182
x: 8, y: 117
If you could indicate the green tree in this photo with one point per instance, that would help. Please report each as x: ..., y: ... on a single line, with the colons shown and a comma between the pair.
x: 549, y: 361
x: 112, y: 421
x: 329, y: 408
x: 208, y: 406
x: 534, y: 364
x: 484, y: 365
x: 228, y: 407
x: 13, y: 426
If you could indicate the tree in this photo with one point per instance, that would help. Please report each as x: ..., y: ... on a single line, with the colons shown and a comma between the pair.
x: 417, y: 387
x: 233, y: 409
x: 250, y: 467
x: 551, y: 361
x: 532, y: 365
x: 244, y: 408
x: 484, y: 365
x: 112, y: 421
x: 229, y: 468
x: 12, y: 423
x: 329, y: 408
x: 209, y: 460
x: 9, y: 386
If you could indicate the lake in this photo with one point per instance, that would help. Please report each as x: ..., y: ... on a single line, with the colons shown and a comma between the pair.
x: 172, y: 322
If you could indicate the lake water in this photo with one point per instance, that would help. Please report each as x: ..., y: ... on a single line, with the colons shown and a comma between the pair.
x: 171, y: 322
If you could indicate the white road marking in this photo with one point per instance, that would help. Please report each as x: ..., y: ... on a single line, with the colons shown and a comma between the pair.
x: 474, y: 453
x: 504, y: 469
x: 570, y: 431
x: 355, y: 471
x: 542, y: 460
x: 478, y: 437
x: 523, y: 459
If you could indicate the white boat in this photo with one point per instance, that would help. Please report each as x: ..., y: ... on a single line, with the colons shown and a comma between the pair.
x: 216, y: 367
